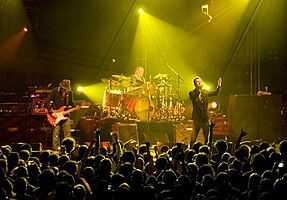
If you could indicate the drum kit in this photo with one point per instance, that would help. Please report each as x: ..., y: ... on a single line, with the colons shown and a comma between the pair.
x: 146, y: 101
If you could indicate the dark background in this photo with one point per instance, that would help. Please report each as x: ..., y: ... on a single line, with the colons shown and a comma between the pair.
x: 78, y: 40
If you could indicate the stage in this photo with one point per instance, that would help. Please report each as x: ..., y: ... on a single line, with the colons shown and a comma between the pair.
x: 261, y: 116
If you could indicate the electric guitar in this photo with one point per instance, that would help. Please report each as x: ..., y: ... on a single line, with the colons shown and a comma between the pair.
x: 59, y: 115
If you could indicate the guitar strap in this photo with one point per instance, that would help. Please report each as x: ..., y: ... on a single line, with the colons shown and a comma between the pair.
x: 67, y: 99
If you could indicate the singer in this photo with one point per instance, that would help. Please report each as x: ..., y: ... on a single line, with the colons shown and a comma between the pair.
x: 200, y: 114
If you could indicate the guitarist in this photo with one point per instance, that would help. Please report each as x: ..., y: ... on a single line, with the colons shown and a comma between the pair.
x: 60, y: 97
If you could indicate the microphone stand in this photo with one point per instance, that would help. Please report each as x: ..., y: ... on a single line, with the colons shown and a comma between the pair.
x: 178, y: 78
x: 149, y: 98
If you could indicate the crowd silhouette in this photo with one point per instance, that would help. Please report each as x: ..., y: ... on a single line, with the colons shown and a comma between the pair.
x: 221, y: 170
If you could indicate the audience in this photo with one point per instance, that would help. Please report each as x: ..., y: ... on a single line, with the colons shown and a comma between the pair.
x: 245, y: 171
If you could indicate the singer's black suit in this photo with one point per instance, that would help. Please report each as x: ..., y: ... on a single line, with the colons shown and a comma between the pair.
x: 200, y: 114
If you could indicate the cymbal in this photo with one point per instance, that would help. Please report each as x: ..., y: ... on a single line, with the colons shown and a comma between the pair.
x: 120, y: 77
x: 110, y: 81
x: 164, y: 85
x: 126, y: 82
x: 160, y: 76
x: 105, y: 80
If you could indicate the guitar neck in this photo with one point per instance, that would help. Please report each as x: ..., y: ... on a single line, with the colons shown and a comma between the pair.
x: 68, y: 111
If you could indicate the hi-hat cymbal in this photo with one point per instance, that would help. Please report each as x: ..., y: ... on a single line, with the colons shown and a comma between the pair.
x: 160, y: 76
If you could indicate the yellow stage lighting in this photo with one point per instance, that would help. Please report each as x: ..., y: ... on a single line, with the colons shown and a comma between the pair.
x: 141, y: 11
x: 214, y: 106
x: 207, y: 87
x: 80, y: 88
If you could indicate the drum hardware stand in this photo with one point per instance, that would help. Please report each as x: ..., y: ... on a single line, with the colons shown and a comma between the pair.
x: 123, y: 104
x: 149, y: 109
x: 149, y: 100
x: 179, y: 78
x: 111, y: 97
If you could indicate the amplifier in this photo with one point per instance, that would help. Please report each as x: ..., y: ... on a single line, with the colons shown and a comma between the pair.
x: 38, y: 106
x: 39, y: 90
x: 13, y: 108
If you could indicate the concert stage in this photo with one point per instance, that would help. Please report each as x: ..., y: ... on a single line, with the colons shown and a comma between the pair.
x: 260, y: 116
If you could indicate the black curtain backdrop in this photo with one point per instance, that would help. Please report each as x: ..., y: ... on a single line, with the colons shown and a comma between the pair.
x: 79, y: 39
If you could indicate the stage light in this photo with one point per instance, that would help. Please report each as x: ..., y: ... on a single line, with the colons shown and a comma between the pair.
x: 213, y: 106
x: 80, y: 88
x: 204, y: 10
x: 25, y: 29
x: 141, y: 11
x: 207, y: 87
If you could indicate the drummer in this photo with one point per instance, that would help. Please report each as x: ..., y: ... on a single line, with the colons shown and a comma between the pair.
x: 138, y: 81
x: 135, y: 89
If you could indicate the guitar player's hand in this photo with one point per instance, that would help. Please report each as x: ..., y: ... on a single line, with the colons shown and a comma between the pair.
x: 53, y: 114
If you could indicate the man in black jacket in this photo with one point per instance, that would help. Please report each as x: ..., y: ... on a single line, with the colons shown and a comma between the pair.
x: 200, y: 114
x: 57, y: 102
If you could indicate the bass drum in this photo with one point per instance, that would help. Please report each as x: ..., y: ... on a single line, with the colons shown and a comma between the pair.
x: 145, y: 109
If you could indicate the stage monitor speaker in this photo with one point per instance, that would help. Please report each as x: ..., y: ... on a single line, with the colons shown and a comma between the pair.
x: 184, y: 133
x: 258, y: 115
x: 154, y: 132
x: 126, y: 131
x: 106, y: 126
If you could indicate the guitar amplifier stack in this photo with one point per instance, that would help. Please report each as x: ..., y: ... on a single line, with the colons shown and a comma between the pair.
x: 23, y: 118
x: 38, y: 96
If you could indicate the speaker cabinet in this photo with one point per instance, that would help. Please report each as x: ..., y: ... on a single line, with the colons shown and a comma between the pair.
x: 30, y: 129
x: 154, y: 132
x: 40, y: 131
x: 13, y: 129
x: 126, y: 131
x: 260, y: 116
